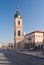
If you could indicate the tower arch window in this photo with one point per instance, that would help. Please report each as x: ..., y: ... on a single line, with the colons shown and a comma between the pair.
x: 18, y: 22
x: 18, y: 32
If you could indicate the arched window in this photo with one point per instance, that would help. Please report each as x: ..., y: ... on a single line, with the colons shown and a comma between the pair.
x: 18, y: 22
x: 18, y: 32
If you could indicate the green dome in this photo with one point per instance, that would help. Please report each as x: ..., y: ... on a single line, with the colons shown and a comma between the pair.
x: 17, y: 13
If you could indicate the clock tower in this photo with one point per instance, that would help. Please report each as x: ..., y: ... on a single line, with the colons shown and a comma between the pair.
x: 17, y: 30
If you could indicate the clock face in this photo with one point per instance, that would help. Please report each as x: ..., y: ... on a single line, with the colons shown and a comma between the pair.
x: 19, y: 16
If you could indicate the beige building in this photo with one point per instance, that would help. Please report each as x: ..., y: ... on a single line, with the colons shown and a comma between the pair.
x: 0, y: 45
x: 34, y: 39
x: 17, y: 29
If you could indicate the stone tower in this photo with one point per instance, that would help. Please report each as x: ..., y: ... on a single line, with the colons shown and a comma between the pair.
x: 17, y: 29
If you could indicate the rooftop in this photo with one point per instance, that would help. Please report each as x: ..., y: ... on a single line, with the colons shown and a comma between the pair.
x: 37, y: 31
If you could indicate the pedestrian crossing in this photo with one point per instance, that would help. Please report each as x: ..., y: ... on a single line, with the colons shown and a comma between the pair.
x: 4, y: 60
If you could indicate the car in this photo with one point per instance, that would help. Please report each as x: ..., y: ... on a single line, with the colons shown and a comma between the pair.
x: 31, y: 49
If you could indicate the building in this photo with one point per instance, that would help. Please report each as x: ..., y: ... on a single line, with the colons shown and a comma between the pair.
x: 17, y: 30
x: 34, y: 40
x: 0, y: 45
x: 10, y: 46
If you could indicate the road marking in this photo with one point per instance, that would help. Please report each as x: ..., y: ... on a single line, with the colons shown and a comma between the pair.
x: 1, y: 54
x: 3, y: 59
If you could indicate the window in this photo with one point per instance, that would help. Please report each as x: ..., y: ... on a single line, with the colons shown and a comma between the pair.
x: 19, y: 33
x: 18, y: 22
x: 41, y: 35
x: 36, y: 35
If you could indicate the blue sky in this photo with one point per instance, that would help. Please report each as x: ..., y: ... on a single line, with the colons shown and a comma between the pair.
x: 32, y: 12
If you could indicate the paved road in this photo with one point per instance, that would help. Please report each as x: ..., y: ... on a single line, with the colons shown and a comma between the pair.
x: 8, y: 57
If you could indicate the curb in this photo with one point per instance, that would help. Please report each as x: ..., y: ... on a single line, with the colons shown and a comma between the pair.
x: 32, y: 55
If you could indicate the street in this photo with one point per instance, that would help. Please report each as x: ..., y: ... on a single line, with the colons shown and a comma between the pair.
x: 9, y: 57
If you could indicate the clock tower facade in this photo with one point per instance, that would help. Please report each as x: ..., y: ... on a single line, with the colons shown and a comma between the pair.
x: 17, y: 30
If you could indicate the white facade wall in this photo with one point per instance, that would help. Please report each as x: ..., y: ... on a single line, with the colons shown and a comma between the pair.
x: 35, y: 37
x: 38, y: 38
x: 32, y: 38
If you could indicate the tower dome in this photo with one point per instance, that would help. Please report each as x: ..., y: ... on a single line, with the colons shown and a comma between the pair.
x: 17, y: 13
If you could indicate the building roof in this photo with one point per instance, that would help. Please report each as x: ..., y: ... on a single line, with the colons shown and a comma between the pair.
x: 37, y: 31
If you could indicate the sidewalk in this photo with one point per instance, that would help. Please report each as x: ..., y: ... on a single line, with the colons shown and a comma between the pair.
x: 33, y: 53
